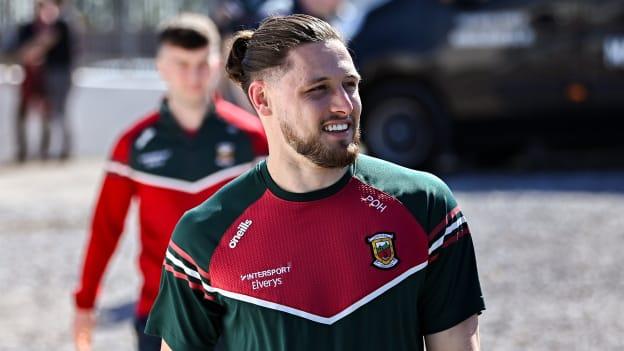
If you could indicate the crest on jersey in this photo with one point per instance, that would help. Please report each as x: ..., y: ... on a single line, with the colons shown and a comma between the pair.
x: 384, y: 254
x: 225, y: 153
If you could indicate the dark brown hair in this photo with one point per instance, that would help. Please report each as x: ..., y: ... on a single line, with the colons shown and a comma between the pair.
x: 253, y: 52
x: 189, y: 31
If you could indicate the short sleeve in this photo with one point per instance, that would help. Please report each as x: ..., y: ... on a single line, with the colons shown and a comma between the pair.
x: 186, y: 313
x: 452, y: 291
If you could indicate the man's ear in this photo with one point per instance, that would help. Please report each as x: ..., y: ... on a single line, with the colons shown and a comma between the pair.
x: 257, y: 93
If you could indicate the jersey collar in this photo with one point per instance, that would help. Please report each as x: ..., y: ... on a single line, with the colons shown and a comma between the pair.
x: 302, y: 197
x: 168, y: 121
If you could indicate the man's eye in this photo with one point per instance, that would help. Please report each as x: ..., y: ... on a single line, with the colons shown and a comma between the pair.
x: 351, y: 85
x: 318, y: 88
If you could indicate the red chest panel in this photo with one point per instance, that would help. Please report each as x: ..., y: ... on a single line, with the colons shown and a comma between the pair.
x: 319, y: 259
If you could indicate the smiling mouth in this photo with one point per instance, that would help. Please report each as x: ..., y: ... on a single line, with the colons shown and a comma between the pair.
x: 336, y: 127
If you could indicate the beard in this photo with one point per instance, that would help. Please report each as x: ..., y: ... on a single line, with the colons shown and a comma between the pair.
x: 323, y: 154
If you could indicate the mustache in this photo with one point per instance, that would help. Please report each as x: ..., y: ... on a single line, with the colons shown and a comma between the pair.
x: 334, y: 118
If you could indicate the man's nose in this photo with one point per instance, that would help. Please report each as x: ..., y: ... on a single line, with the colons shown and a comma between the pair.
x: 195, y: 75
x: 341, y: 103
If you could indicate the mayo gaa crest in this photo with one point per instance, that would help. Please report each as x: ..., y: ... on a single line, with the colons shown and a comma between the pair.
x: 382, y: 245
x: 225, y: 154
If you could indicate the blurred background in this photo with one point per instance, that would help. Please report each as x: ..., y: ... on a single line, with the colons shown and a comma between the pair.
x: 517, y: 104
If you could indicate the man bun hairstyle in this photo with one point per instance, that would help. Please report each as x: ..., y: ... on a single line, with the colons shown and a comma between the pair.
x: 253, y: 53
x: 234, y: 65
x: 189, y: 31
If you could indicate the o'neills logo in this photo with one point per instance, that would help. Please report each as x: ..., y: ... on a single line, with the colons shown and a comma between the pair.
x: 242, y: 228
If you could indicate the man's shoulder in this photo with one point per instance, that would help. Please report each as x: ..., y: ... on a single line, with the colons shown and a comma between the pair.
x: 397, y: 180
x: 140, y: 125
x: 206, y: 223
x: 243, y: 120
x: 24, y: 32
x: 26, y: 26
x: 234, y: 197
x: 425, y: 195
x: 131, y: 134
x: 237, y: 116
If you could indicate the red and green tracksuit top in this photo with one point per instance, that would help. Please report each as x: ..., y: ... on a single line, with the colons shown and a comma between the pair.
x: 373, y: 262
x: 167, y: 170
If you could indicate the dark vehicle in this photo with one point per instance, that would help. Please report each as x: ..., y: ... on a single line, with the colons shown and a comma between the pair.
x: 447, y: 76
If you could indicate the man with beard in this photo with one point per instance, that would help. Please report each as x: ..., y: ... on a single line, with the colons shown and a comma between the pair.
x: 318, y: 248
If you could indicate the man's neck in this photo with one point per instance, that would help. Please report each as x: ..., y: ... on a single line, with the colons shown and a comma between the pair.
x: 188, y: 116
x: 302, y: 176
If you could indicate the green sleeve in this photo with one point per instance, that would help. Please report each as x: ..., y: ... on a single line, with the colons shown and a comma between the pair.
x: 186, y: 313
x: 452, y: 291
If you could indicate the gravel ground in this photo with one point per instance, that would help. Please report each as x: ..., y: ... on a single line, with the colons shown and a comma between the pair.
x: 547, y: 245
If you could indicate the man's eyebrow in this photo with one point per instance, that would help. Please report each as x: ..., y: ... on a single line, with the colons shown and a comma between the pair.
x: 316, y: 80
x: 321, y: 79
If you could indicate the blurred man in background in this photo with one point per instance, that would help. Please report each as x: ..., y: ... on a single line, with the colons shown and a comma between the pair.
x: 44, y: 49
x: 169, y: 161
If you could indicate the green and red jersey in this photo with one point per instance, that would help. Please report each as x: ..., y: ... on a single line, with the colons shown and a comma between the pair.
x: 375, y: 261
x: 168, y: 170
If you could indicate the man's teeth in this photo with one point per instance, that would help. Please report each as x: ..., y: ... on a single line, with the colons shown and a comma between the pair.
x: 336, y: 127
